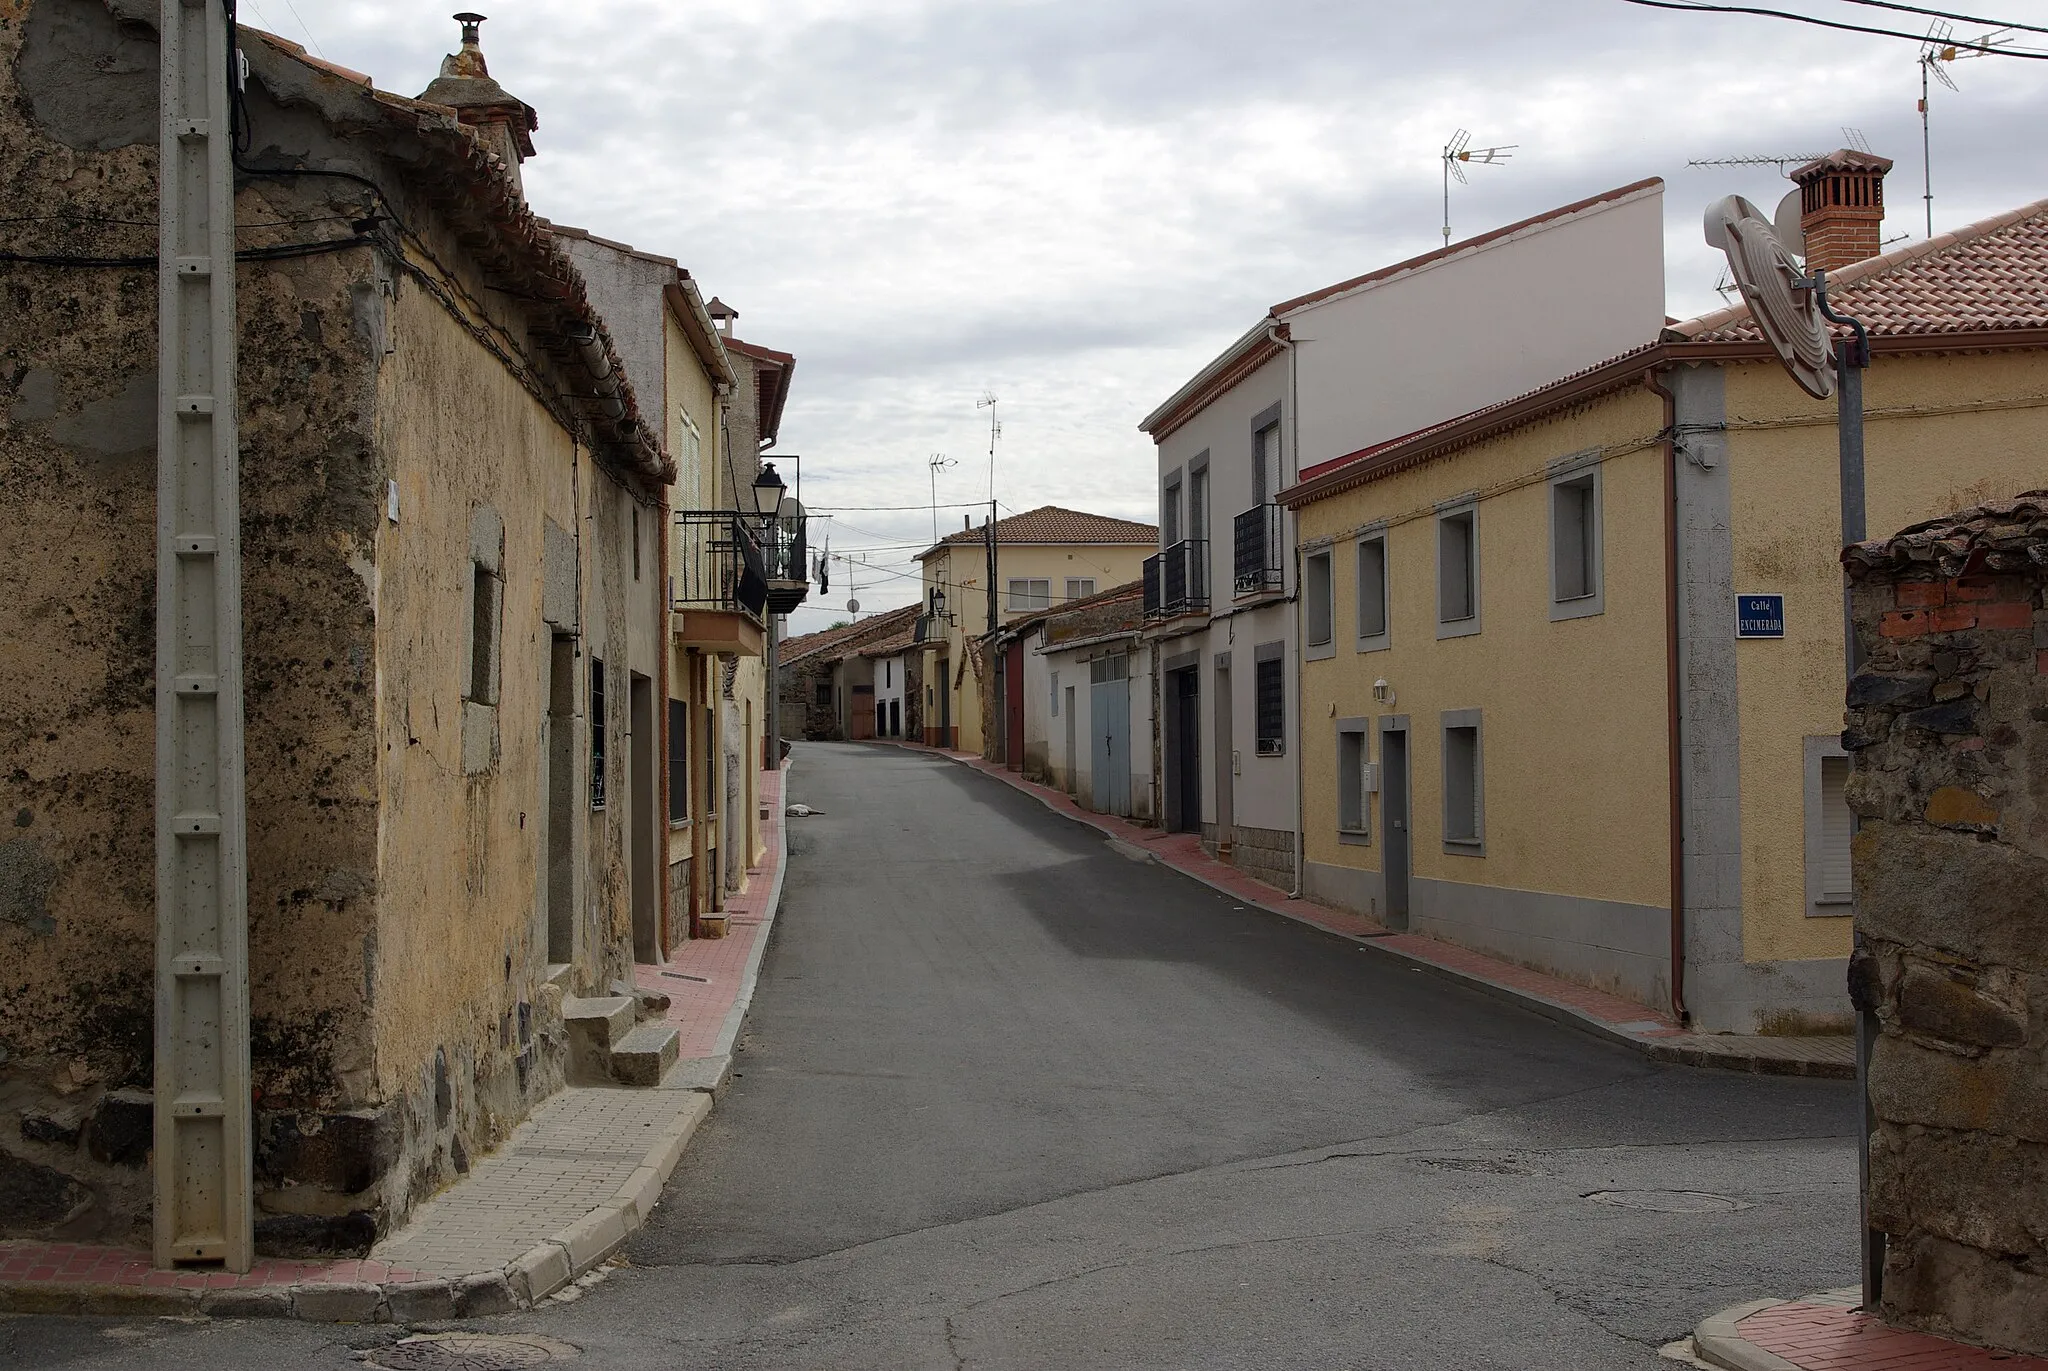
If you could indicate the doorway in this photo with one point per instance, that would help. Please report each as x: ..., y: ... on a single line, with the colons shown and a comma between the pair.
x: 560, y: 845
x: 640, y: 814
x: 1072, y: 777
x: 1109, y: 717
x: 945, y: 738
x: 1397, y: 832
x: 1226, y: 760
x: 1184, y: 749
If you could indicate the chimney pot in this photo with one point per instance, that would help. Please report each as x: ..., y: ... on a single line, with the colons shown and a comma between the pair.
x: 1841, y: 207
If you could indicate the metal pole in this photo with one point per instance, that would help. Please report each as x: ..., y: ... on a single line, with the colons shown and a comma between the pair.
x: 1852, y: 356
x: 202, y: 1132
x: 1926, y: 152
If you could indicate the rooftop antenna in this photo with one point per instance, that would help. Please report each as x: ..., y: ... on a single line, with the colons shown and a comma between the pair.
x: 1943, y: 47
x: 1760, y: 159
x: 936, y: 461
x: 1459, y: 149
x: 1854, y: 138
x: 988, y: 401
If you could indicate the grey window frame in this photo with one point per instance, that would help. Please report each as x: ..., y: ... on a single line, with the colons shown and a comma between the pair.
x: 1465, y: 507
x: 1384, y: 639
x: 1171, y: 530
x: 1030, y: 596
x: 1267, y: 420
x: 1460, y: 720
x: 1822, y: 903
x: 1580, y: 470
x: 1311, y: 649
x: 1089, y: 581
x: 1265, y: 655
x: 1352, y: 789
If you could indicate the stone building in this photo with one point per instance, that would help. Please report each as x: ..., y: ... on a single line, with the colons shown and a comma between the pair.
x: 442, y: 479
x: 827, y: 684
x: 1948, y: 725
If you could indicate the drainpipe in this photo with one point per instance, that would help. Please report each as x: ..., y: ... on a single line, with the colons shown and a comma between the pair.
x: 1674, y: 742
x: 1291, y: 524
x: 665, y: 908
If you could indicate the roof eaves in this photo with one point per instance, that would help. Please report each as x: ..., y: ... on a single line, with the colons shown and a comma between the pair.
x: 1203, y: 384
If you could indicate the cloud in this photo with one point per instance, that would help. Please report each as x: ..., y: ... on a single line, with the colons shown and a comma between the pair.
x: 1077, y: 203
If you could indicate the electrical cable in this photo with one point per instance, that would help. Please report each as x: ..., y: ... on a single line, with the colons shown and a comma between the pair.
x: 1946, y: 14
x: 1833, y: 24
x: 276, y: 253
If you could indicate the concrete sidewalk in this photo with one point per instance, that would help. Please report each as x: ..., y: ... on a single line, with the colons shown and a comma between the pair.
x: 558, y: 1198
x: 1644, y: 1030
x: 1827, y: 1332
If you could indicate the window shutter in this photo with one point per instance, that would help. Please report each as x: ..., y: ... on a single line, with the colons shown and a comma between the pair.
x: 1837, y: 825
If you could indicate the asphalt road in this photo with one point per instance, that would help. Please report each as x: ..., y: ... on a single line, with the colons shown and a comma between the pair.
x: 1008, y: 1099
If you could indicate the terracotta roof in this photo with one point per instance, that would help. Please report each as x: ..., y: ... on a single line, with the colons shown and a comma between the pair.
x: 847, y: 639
x: 1483, y: 240
x: 2008, y: 536
x: 1120, y: 609
x: 899, y: 641
x: 1990, y: 276
x: 446, y: 163
x: 1050, y: 524
x: 772, y: 375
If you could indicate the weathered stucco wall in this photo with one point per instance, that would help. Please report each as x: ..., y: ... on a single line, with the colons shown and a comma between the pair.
x: 77, y: 477
x: 1949, y: 729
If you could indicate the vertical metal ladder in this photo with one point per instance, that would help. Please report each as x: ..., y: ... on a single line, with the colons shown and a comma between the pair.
x: 202, y: 1161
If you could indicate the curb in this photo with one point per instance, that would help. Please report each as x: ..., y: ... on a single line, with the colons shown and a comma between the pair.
x: 1569, y: 1016
x: 1719, y: 1342
x: 523, y: 1283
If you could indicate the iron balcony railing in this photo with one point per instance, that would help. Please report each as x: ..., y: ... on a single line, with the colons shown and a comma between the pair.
x: 786, y: 553
x: 1257, y: 548
x: 720, y: 564
x: 1177, y: 580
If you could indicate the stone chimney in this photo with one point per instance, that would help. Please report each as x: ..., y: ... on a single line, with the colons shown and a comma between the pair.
x: 1841, y: 207
x: 505, y: 122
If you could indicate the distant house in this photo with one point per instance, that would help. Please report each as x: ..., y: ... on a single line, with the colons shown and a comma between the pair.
x: 828, y: 682
x: 1043, y: 558
x: 1087, y: 701
x: 1579, y: 696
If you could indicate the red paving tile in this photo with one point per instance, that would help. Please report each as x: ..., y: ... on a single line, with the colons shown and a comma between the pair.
x: 1822, y: 1337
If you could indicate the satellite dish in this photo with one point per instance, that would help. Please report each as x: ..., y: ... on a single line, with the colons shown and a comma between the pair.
x: 853, y: 606
x: 1774, y: 285
x: 1785, y: 223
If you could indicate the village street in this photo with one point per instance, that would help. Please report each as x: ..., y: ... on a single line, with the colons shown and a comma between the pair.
x: 1009, y: 1099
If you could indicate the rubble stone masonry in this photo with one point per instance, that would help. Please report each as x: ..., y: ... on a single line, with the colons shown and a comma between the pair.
x: 1948, y: 726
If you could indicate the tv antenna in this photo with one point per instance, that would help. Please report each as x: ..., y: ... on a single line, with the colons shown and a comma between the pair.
x: 988, y: 401
x: 1460, y: 150
x: 1941, y: 48
x: 1760, y: 159
x: 936, y: 462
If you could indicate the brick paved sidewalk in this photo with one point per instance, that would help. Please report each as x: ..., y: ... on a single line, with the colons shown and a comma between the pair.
x: 556, y: 1199
x: 1829, y: 1333
x: 1646, y: 1030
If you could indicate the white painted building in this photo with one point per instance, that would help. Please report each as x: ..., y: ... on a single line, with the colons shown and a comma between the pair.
x: 1323, y: 377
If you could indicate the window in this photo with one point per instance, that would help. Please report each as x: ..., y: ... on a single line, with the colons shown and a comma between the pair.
x: 1026, y: 594
x: 1457, y: 572
x: 1198, y: 501
x: 823, y: 698
x: 1080, y: 587
x: 710, y: 761
x: 1266, y: 474
x: 1464, y: 784
x: 888, y: 673
x: 1169, y: 512
x: 486, y: 603
x: 1829, y: 827
x: 636, y: 542
x: 1055, y: 695
x: 1318, y: 606
x: 1575, y: 581
x: 596, y: 734
x: 1269, y: 698
x: 1372, y: 593
x: 1354, y: 781
x: 678, y: 761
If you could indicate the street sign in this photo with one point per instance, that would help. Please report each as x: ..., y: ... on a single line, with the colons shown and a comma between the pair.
x: 1759, y: 616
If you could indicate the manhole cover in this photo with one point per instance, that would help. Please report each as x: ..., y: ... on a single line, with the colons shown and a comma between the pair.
x: 469, y: 1352
x: 1669, y: 1201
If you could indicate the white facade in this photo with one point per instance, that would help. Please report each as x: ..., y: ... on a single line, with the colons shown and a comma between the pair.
x: 1323, y: 377
x: 1062, y: 680
x: 888, y: 698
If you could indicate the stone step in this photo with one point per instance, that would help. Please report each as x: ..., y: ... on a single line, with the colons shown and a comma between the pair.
x: 644, y: 1055
x: 595, y: 1026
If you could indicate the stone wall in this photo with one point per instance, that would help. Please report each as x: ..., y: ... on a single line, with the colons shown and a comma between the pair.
x: 1948, y: 726
x: 1265, y: 854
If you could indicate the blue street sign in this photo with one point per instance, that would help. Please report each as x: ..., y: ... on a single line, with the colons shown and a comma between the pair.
x: 1759, y: 616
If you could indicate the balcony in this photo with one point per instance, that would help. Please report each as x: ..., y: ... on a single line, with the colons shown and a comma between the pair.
x: 1177, y: 581
x: 1257, y: 538
x: 719, y: 585
x: 785, y: 555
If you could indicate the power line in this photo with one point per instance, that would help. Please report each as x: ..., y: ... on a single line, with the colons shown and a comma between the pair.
x: 1945, y: 14
x: 1827, y: 24
x: 895, y: 509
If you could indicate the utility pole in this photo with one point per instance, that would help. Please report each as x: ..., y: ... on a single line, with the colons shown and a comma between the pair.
x: 202, y: 1159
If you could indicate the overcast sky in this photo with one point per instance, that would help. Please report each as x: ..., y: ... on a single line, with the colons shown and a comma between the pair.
x: 1074, y: 204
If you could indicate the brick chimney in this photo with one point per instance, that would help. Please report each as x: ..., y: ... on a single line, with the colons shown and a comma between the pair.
x: 505, y: 122
x: 1841, y: 207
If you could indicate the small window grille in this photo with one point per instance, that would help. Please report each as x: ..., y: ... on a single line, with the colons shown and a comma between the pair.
x: 596, y: 734
x: 678, y: 761
x: 1269, y: 689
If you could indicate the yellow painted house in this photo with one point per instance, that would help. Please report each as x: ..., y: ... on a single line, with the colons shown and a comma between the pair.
x: 1566, y: 719
x: 1044, y: 558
